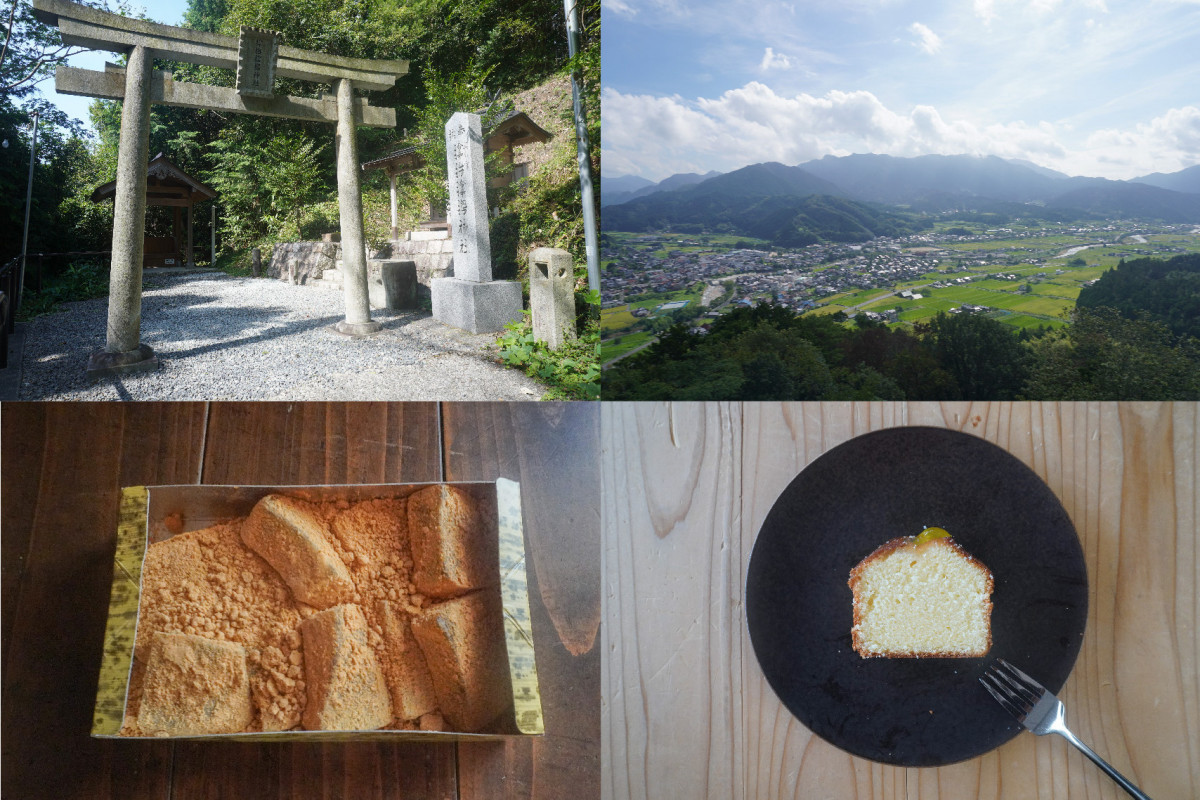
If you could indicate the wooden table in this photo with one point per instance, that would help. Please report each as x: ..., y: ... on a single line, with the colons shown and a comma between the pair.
x: 63, y: 465
x: 687, y: 487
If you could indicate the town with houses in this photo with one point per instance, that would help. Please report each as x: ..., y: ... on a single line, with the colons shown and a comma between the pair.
x: 801, y: 279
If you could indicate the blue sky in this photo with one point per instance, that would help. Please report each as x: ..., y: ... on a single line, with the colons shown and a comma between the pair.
x: 1089, y: 87
x: 168, y: 12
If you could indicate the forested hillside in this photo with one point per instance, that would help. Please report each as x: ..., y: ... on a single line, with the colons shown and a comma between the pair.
x: 1168, y: 291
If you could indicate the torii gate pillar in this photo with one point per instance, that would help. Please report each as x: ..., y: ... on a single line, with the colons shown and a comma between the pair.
x: 122, y: 351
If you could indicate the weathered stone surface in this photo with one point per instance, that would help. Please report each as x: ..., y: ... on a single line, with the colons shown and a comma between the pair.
x: 468, y: 209
x: 476, y: 307
x: 354, y: 258
x: 399, y: 283
x: 302, y: 262
x: 165, y: 90
x: 129, y: 208
x: 552, y: 295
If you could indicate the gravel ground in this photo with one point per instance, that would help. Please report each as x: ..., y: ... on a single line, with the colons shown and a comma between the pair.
x: 224, y: 338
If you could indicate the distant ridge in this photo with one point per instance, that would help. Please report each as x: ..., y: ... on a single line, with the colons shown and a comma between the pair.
x: 929, y: 184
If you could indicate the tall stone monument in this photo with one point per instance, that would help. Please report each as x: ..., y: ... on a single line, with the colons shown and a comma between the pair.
x: 471, y: 300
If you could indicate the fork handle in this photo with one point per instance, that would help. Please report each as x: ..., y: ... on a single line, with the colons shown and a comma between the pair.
x: 1121, y: 780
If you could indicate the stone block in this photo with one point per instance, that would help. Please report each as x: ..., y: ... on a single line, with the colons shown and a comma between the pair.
x: 399, y: 284
x: 552, y: 296
x: 476, y: 307
x: 301, y: 262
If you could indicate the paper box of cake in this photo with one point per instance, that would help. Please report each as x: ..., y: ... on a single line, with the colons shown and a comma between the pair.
x: 319, y: 612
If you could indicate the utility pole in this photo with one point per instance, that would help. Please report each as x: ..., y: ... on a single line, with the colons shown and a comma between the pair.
x: 585, y: 164
x: 28, y: 205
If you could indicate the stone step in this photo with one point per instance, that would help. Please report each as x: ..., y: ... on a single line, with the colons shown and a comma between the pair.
x: 331, y: 278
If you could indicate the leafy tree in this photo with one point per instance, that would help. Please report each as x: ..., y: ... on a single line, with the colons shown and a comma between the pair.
x: 1105, y: 356
x: 984, y: 356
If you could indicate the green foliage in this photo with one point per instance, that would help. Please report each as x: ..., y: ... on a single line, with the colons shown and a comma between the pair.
x: 1168, y: 291
x: 1103, y: 355
x: 265, y: 180
x: 572, y: 371
x: 81, y: 281
x: 445, y: 96
x: 769, y: 353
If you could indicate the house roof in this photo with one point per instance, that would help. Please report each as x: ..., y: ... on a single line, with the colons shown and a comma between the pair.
x: 166, y: 174
x: 512, y: 130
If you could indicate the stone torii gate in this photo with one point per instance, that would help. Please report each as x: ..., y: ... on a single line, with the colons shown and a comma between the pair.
x: 257, y: 57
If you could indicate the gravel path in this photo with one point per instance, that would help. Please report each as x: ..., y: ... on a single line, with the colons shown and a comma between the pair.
x: 224, y: 338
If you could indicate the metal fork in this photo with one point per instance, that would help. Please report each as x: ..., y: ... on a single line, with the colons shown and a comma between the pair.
x: 1041, y: 712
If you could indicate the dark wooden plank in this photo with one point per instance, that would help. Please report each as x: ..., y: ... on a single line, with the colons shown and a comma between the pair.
x: 89, y: 450
x: 318, y: 443
x: 553, y: 450
x: 22, y: 430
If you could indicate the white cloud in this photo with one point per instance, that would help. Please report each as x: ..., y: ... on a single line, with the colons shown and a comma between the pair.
x: 620, y: 7
x: 773, y: 60
x: 658, y: 136
x: 927, y: 40
x: 985, y: 10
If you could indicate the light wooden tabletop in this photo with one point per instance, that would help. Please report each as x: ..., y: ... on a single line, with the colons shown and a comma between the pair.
x: 684, y: 703
x: 63, y: 466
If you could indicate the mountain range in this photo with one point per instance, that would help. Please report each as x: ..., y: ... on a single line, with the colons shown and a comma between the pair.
x: 933, y: 183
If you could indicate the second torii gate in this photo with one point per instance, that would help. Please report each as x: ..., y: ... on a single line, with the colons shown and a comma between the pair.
x: 257, y: 57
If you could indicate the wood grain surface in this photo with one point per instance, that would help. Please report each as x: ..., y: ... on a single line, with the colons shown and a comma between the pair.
x: 686, y: 488
x: 63, y: 466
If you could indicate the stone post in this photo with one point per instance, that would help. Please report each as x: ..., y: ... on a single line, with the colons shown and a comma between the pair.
x: 358, y: 320
x: 123, y: 352
x: 392, y: 197
x: 552, y: 296
x: 471, y: 300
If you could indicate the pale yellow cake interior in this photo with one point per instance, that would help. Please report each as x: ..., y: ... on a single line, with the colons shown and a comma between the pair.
x: 928, y: 599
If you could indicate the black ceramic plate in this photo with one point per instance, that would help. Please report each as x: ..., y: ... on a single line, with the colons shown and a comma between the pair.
x: 912, y: 711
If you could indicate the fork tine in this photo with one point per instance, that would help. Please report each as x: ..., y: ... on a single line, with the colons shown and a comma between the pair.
x: 1003, y: 684
x: 1030, y: 689
x: 1000, y: 696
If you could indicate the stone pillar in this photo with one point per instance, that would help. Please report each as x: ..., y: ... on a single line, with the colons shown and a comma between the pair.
x: 471, y: 300
x: 552, y: 296
x: 358, y: 320
x: 123, y: 352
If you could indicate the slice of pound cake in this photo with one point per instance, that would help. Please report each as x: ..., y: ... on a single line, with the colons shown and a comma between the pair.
x: 922, y: 597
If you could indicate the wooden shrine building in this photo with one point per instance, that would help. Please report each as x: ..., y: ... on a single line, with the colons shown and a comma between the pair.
x: 512, y: 131
x: 167, y: 185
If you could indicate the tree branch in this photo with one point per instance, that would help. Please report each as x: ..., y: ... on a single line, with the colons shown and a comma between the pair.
x: 11, y: 17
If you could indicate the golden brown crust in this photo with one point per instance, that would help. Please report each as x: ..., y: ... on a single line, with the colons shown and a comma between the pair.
x: 886, y: 549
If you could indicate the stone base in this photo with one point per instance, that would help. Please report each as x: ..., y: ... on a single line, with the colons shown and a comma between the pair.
x: 358, y: 330
x: 476, y: 307
x: 103, y: 363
